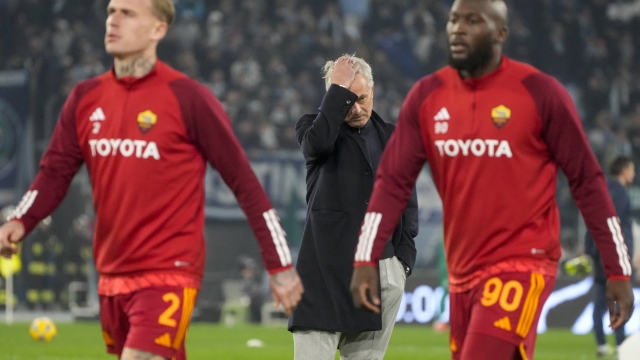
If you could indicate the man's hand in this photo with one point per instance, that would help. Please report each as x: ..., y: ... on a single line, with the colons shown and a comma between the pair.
x: 365, y: 283
x: 344, y: 72
x: 620, y: 299
x: 286, y: 289
x: 10, y: 234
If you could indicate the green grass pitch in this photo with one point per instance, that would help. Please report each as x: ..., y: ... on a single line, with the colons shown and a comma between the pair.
x: 83, y: 341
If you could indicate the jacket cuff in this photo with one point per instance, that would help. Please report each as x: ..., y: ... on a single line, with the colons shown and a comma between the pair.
x: 619, y: 278
x: 407, y: 255
x: 279, y: 269
x: 363, y: 263
x: 337, y: 102
x: 407, y: 269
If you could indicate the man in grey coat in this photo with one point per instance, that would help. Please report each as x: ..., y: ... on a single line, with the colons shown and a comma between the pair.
x: 342, y: 145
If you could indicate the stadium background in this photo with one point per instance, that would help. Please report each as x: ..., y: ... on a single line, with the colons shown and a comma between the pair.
x: 262, y: 59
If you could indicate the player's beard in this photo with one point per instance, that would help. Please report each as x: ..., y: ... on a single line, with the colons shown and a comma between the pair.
x: 476, y: 59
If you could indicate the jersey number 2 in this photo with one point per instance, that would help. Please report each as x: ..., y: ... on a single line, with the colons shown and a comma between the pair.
x: 165, y: 317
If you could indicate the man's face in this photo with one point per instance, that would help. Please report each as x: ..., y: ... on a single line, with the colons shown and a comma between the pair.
x: 629, y: 173
x: 360, y: 111
x: 132, y: 29
x: 471, y: 34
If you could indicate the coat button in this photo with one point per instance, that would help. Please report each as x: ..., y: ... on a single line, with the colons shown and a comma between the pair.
x: 366, y: 201
x: 348, y: 102
x: 367, y: 171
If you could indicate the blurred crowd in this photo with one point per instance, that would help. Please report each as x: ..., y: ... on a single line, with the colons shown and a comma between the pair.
x: 262, y: 59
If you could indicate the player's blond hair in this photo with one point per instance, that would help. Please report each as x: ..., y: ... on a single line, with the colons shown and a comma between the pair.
x: 163, y: 10
x: 363, y: 68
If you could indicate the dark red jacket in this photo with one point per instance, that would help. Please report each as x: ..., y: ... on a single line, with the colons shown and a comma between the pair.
x: 146, y: 143
x: 494, y: 145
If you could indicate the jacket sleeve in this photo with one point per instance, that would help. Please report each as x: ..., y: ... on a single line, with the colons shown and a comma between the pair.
x: 209, y: 127
x: 58, y: 166
x: 406, y: 247
x: 317, y: 137
x: 569, y: 148
x: 401, y: 162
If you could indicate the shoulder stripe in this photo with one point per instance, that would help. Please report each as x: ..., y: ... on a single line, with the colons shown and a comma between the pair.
x: 621, y: 247
x: 278, y: 236
x: 368, y: 234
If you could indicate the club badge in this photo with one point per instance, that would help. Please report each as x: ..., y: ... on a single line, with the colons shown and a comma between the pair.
x: 500, y: 115
x: 146, y: 120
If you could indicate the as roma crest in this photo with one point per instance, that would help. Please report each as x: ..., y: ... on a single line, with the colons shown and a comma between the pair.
x: 146, y: 120
x: 500, y: 115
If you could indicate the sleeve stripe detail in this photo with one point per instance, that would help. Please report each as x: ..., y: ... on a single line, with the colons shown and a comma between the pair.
x: 25, y: 204
x: 278, y: 236
x: 621, y: 247
x: 364, y: 235
x: 368, y: 234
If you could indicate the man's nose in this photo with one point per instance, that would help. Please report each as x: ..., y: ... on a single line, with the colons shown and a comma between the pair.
x: 113, y: 19
x: 458, y: 27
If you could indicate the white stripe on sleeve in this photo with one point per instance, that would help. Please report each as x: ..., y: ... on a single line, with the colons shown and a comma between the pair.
x: 278, y: 236
x: 369, y: 231
x: 363, y: 236
x: 24, y: 205
x: 621, y: 247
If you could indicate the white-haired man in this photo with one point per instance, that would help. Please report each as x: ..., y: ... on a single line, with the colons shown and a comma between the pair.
x: 342, y: 145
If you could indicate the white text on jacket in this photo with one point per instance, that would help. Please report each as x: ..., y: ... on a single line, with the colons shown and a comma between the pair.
x: 477, y: 147
x: 125, y: 147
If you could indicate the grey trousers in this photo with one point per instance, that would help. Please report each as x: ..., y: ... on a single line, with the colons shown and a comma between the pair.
x: 368, y: 345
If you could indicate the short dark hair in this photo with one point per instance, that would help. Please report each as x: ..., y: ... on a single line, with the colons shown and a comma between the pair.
x: 618, y: 164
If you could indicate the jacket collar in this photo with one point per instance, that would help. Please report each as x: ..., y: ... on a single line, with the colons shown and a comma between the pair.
x: 383, y: 129
x: 131, y: 82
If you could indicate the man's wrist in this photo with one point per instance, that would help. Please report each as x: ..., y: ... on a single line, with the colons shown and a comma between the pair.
x: 407, y: 269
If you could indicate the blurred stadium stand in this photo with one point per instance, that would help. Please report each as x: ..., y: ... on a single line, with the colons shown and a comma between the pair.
x: 262, y: 59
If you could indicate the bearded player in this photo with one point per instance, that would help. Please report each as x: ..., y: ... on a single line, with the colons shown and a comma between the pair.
x: 494, y: 132
x: 146, y: 132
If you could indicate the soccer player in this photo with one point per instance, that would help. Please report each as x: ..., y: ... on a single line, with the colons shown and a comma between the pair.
x: 494, y: 132
x: 146, y: 132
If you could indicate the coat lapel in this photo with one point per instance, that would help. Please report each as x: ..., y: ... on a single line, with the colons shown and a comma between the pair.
x: 384, y: 130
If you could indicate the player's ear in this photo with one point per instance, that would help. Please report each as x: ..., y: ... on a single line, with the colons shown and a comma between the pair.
x: 501, y: 34
x: 159, y: 30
